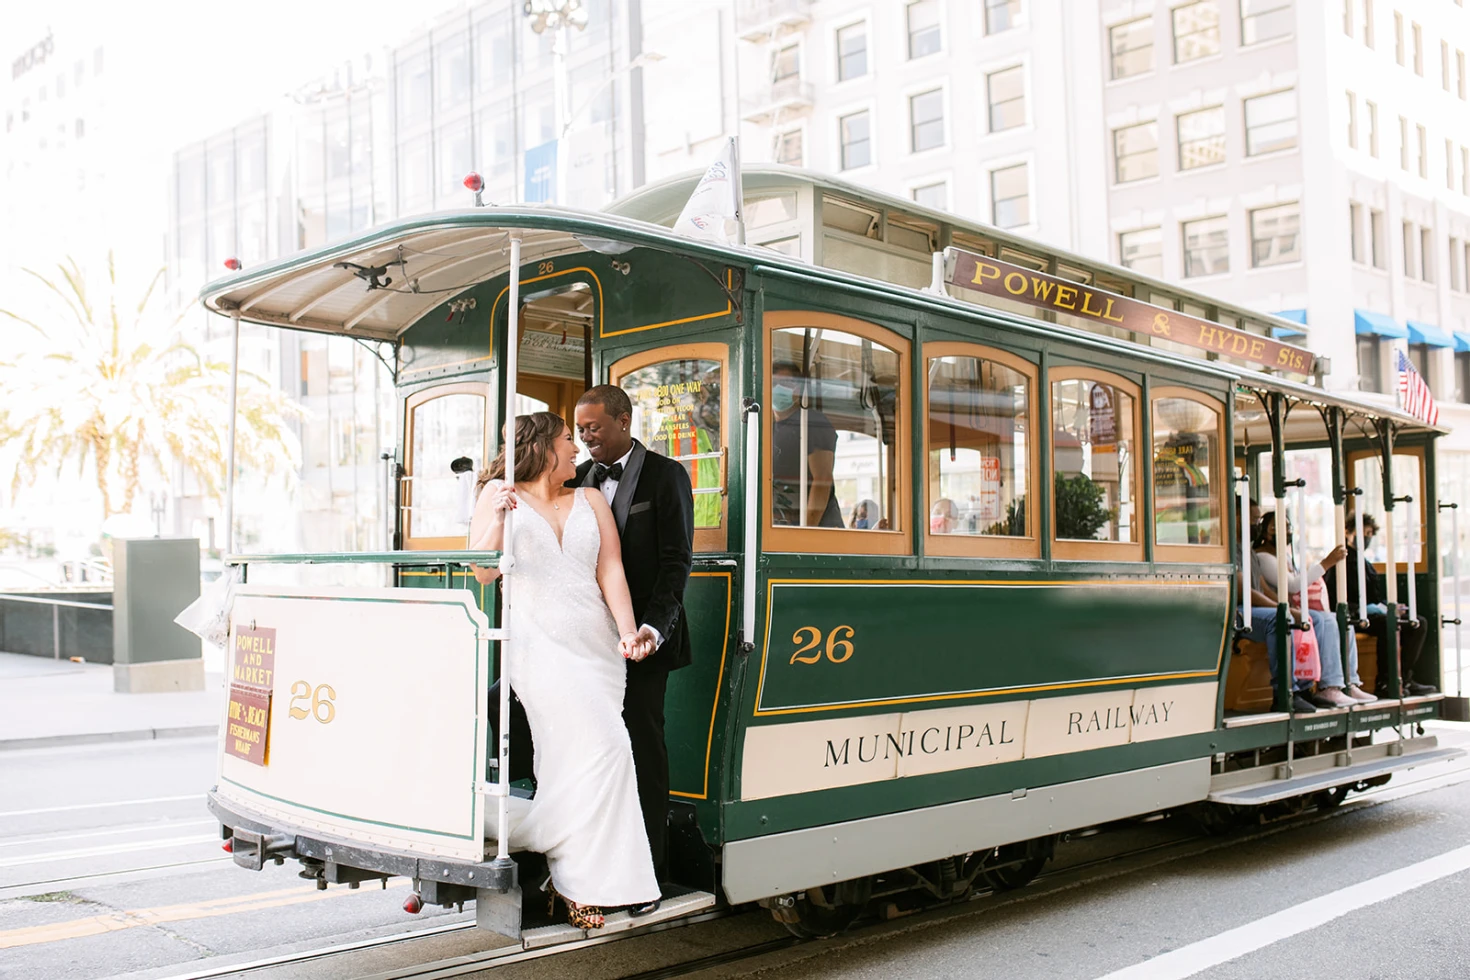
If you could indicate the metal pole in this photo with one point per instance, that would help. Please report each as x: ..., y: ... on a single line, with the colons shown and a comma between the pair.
x: 752, y: 515
x: 1411, y: 558
x: 507, y: 558
x: 1362, y: 562
x: 739, y: 189
x: 1298, y: 556
x: 1245, y: 557
x: 1455, y: 579
x: 230, y: 438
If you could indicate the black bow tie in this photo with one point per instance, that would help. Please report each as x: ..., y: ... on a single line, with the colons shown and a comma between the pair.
x: 601, y: 473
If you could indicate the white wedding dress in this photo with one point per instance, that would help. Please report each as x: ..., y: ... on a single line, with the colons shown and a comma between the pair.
x: 565, y: 667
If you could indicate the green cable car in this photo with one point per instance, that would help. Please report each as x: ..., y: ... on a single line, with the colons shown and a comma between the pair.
x: 1004, y: 602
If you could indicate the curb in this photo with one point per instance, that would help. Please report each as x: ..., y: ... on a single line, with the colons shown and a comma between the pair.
x: 90, y: 738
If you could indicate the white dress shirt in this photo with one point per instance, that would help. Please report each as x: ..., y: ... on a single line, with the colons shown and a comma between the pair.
x: 610, y: 490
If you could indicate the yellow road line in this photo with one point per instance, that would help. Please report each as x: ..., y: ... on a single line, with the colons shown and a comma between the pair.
x: 132, y: 918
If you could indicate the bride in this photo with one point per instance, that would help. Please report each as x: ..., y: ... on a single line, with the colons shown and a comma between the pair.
x: 565, y: 663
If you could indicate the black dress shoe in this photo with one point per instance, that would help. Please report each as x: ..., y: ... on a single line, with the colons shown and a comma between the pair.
x: 1301, y: 705
x: 638, y: 911
x: 1420, y: 689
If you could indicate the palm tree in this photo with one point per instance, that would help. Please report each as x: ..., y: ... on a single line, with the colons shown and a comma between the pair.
x: 123, y: 390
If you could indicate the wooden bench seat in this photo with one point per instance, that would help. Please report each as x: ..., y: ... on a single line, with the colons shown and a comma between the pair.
x: 1248, y: 675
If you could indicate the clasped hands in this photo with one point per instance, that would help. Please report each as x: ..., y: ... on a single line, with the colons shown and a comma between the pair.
x: 637, y: 646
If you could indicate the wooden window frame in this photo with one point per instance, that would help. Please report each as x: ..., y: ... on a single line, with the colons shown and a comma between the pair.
x: 985, y: 545
x: 1066, y: 549
x: 414, y: 401
x: 1417, y: 452
x: 706, y: 539
x: 1192, y: 552
x: 844, y: 540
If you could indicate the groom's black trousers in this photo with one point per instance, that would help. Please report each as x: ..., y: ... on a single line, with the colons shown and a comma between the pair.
x: 643, y: 714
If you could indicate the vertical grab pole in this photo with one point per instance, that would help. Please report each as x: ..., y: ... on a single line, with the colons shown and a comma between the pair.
x: 1411, y: 557
x: 1245, y: 554
x: 1454, y: 510
x: 752, y: 515
x: 1362, y: 559
x: 230, y: 436
x: 1298, y: 558
x: 507, y: 557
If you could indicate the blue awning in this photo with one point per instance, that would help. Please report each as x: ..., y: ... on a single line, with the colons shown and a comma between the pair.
x: 1427, y: 333
x: 1295, y: 316
x: 1462, y: 341
x: 1368, y: 322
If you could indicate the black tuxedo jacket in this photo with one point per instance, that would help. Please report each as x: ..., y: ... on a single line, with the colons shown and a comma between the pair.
x: 654, y: 509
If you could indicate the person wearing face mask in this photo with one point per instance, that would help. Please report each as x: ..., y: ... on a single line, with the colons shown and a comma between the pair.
x: 820, y: 506
x: 865, y: 515
x: 1335, y: 689
x: 1411, y: 636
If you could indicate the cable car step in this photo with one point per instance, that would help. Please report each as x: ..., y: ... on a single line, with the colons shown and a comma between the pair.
x: 1310, y: 774
x: 677, y: 905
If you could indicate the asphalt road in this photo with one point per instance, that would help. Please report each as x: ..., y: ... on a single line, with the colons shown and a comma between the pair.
x: 110, y: 867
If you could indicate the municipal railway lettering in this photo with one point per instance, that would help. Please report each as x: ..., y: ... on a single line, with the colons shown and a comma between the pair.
x: 927, y: 741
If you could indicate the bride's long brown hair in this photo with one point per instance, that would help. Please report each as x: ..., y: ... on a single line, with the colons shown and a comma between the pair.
x: 536, y: 436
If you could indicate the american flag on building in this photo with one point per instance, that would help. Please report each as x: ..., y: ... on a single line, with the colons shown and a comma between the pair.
x: 1414, y: 396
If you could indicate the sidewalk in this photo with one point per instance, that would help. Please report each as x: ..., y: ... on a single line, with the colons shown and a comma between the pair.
x: 45, y: 702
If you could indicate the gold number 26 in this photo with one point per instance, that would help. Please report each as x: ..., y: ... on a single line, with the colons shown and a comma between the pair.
x: 322, y: 707
x: 838, y: 649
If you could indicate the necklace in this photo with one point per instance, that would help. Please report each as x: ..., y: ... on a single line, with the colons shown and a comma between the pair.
x: 555, y: 504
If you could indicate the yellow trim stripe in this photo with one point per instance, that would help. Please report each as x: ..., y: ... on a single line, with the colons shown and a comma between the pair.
x: 729, y: 308
x: 986, y: 693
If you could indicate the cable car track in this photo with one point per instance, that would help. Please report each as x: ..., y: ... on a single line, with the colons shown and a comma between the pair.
x: 466, y: 964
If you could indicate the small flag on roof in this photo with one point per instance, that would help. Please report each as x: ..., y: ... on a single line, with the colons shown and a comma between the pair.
x: 1414, y: 395
x: 713, y: 212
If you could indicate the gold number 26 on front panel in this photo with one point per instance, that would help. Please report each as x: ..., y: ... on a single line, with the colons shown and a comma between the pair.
x: 838, y: 646
x: 322, y: 708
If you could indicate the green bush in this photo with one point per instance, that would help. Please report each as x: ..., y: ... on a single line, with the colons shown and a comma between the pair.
x: 1080, y: 512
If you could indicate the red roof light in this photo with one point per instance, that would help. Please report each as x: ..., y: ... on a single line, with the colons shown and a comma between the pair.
x: 474, y: 183
x: 233, y: 264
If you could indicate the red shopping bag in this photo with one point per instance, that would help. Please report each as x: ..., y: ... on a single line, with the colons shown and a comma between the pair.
x: 1316, y: 596
x: 1306, y: 661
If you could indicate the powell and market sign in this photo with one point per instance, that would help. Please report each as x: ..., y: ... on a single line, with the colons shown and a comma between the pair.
x: 1018, y: 283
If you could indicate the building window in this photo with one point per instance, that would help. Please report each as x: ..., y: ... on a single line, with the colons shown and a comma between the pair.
x: 1462, y: 376
x: 1368, y: 36
x: 789, y: 148
x: 934, y: 195
x: 856, y: 142
x: 1449, y: 164
x: 1444, y: 65
x: 1372, y: 128
x: 1132, y: 46
x: 923, y: 23
x: 1142, y: 251
x: 852, y: 52
x: 1465, y: 170
x: 1006, y: 92
x: 1201, y: 138
x: 1352, y: 134
x: 1419, y: 357
x: 1410, y: 239
x: 1275, y: 237
x: 1001, y: 15
x: 1460, y: 74
x: 1347, y: 17
x: 1455, y: 281
x: 1398, y: 37
x: 979, y: 447
x: 1426, y: 255
x: 1136, y: 152
x: 1265, y: 20
x: 1418, y: 50
x: 1094, y: 492
x: 1206, y: 246
x: 1010, y: 196
x: 1187, y: 478
x: 926, y: 120
x: 1270, y: 123
x: 1196, y: 31
x: 1423, y: 143
x: 1403, y: 144
x: 1355, y: 230
x: 1370, y: 364
x: 786, y: 63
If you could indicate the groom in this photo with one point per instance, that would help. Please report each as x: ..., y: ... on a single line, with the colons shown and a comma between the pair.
x: 654, y: 507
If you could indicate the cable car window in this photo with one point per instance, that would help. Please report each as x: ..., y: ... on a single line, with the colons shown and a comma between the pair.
x: 1365, y: 470
x: 1094, y: 473
x: 834, y: 435
x: 445, y: 424
x: 1187, y: 474
x: 979, y: 441
x: 679, y: 405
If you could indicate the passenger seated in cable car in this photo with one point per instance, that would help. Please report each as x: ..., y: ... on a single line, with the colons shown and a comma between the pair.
x: 1334, y: 690
x: 1262, y: 625
x: 820, y: 508
x: 1411, y: 635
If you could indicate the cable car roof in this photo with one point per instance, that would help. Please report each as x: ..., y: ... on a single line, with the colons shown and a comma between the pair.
x: 419, y: 263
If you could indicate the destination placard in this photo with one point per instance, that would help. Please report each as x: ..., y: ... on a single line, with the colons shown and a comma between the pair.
x: 248, y: 725
x: 255, y: 658
x: 1014, y: 282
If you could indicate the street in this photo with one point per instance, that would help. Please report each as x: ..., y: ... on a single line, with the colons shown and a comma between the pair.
x: 110, y: 867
